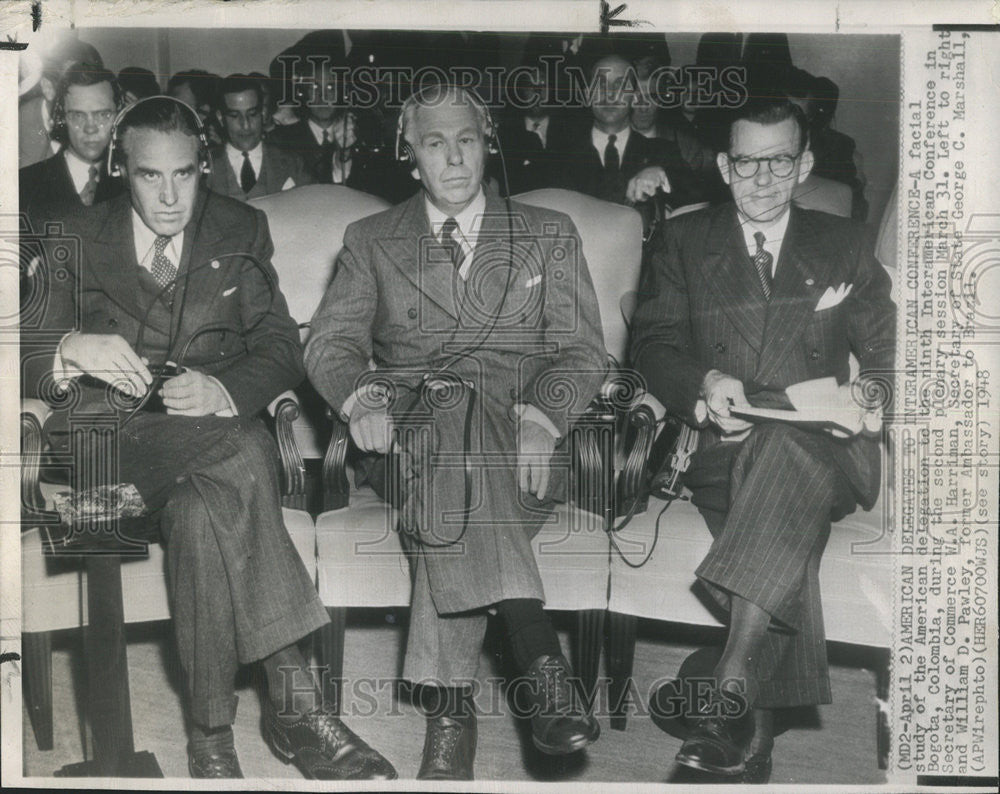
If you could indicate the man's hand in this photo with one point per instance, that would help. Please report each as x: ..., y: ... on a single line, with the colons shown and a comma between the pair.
x: 371, y: 428
x: 535, y: 446
x: 193, y: 393
x: 644, y: 184
x: 720, y: 392
x: 853, y: 415
x: 107, y: 357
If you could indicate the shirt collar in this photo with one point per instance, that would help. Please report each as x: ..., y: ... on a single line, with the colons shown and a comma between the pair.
x: 236, y: 157
x: 46, y: 116
x: 469, y: 220
x: 145, y: 238
x: 317, y: 131
x: 600, y: 141
x: 79, y: 171
x: 773, y: 233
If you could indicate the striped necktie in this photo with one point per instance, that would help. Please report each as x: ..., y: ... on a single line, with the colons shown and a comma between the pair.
x: 762, y: 260
x: 454, y: 246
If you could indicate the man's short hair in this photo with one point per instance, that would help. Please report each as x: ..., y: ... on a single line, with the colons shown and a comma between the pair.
x: 163, y: 114
x: 771, y: 110
x: 203, y: 85
x: 237, y: 84
x: 437, y: 94
x: 138, y: 81
x: 79, y: 74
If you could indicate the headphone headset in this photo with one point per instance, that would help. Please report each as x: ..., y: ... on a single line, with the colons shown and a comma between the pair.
x: 114, y: 146
x: 404, y: 149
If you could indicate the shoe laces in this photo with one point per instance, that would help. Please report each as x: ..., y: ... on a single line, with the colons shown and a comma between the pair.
x: 334, y: 733
x: 558, y: 690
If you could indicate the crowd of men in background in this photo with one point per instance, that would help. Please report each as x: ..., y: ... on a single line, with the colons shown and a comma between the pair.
x: 619, y: 146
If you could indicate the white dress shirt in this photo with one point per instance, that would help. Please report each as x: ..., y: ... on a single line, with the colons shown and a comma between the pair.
x: 774, y: 234
x: 79, y: 170
x: 538, y: 126
x: 600, y: 141
x: 235, y: 157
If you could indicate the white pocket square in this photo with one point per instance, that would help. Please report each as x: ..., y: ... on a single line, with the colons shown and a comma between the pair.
x: 532, y: 281
x: 229, y: 291
x: 833, y: 296
x: 289, y: 184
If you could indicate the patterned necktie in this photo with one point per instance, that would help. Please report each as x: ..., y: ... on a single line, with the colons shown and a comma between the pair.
x: 612, y: 162
x: 454, y: 246
x: 164, y: 270
x: 762, y: 260
x: 247, y: 176
x: 90, y: 189
x: 325, y: 171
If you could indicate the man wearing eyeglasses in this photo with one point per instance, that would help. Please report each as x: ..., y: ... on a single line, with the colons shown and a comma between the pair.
x: 738, y: 303
x: 86, y: 101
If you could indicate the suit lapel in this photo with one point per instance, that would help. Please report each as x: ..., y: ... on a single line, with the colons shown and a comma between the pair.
x: 418, y: 256
x: 487, y: 282
x: 802, y: 274
x: 116, y: 268
x: 731, y: 274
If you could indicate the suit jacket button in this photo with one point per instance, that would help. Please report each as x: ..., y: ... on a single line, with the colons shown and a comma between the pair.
x: 814, y: 354
x: 412, y: 314
x: 719, y: 347
x: 112, y: 322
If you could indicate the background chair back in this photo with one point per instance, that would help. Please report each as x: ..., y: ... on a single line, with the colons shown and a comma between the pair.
x: 612, y: 243
x: 307, y: 227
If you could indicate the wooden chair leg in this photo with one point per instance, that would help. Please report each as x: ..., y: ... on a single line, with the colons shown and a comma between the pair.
x: 36, y: 663
x: 882, y: 710
x: 331, y: 656
x: 621, y: 655
x: 588, y: 643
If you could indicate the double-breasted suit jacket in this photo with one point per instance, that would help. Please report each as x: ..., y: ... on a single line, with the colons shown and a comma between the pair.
x: 769, y: 499
x: 522, y: 328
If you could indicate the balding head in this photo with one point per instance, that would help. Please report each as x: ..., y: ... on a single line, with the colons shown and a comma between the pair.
x: 613, y: 82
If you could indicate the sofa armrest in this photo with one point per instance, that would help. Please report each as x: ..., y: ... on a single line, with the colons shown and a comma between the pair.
x: 336, y: 487
x: 33, y: 416
x: 285, y: 409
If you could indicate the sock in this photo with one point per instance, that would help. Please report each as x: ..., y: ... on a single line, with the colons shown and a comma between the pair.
x: 206, y: 741
x: 291, y: 687
x: 529, y: 630
x: 445, y: 701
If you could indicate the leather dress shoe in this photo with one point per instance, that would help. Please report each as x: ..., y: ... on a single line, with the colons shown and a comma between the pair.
x: 717, y: 742
x: 449, y: 748
x: 559, y: 723
x: 214, y: 764
x: 757, y: 768
x: 323, y: 748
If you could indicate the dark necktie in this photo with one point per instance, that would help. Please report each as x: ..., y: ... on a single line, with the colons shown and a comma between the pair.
x: 90, y: 189
x: 612, y: 162
x: 454, y: 246
x: 163, y: 269
x: 762, y: 260
x: 325, y: 171
x: 247, y: 176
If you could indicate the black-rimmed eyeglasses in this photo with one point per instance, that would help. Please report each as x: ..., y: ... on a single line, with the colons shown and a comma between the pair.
x: 781, y: 165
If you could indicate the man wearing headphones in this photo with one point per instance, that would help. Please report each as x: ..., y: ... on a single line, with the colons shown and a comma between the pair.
x: 171, y: 273
x: 476, y: 313
x: 86, y: 100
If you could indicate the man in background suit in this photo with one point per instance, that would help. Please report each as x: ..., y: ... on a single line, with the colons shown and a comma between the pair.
x: 738, y: 303
x: 171, y: 273
x: 85, y: 103
x: 606, y: 159
x: 417, y: 288
x: 247, y: 167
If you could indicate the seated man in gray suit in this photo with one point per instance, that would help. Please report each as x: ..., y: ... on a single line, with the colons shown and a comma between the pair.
x: 171, y: 272
x: 245, y: 166
x: 738, y: 304
x: 472, y: 310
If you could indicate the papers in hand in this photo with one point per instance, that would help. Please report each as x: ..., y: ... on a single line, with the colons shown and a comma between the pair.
x: 820, y: 403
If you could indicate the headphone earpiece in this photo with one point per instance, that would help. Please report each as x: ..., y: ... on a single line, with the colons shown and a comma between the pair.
x: 114, y: 145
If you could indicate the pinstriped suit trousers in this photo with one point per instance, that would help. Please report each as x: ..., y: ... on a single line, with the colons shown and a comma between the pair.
x: 784, y: 488
x: 238, y: 589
